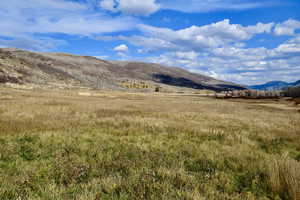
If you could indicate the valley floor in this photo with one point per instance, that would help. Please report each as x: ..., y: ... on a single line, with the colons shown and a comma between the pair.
x: 112, y: 145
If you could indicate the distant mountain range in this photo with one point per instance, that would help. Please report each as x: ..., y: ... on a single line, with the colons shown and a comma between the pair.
x: 275, y: 85
x: 20, y: 67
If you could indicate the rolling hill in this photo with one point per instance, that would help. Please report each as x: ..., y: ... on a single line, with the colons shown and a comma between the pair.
x: 65, y: 70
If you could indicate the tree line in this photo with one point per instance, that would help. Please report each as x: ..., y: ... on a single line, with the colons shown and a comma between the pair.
x: 292, y: 92
x: 288, y: 92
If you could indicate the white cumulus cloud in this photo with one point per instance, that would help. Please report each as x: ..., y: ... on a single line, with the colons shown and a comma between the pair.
x: 134, y: 7
x: 291, y: 46
x: 147, y: 7
x: 287, y: 28
x: 197, y: 38
x: 121, y: 48
x: 109, y: 5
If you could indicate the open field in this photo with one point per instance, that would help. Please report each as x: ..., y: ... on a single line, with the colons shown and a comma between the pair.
x: 111, y: 145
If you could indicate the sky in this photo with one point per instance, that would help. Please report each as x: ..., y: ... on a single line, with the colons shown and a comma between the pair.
x: 243, y: 41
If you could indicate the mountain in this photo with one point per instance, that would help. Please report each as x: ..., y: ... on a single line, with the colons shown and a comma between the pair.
x: 296, y: 84
x: 275, y: 85
x: 64, y: 70
x: 272, y: 85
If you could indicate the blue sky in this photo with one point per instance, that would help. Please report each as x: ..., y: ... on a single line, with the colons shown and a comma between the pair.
x: 244, y: 41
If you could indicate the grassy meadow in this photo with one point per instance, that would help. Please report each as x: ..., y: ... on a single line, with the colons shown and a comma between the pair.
x: 64, y: 146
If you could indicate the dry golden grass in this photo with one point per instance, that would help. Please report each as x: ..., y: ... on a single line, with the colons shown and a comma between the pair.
x: 284, y: 174
x: 113, y: 145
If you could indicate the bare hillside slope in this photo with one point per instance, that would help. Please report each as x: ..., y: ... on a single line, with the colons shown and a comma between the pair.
x: 25, y: 67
